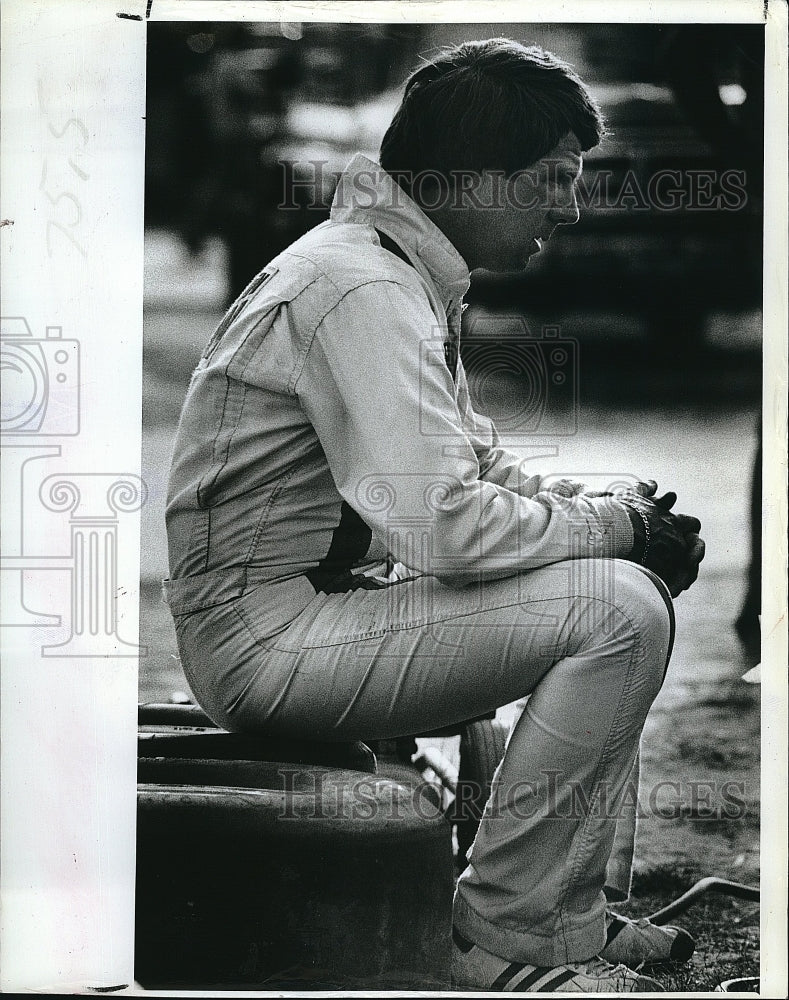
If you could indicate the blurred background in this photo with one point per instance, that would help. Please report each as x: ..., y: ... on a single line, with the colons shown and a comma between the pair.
x: 658, y: 286
x: 662, y: 302
x: 229, y: 103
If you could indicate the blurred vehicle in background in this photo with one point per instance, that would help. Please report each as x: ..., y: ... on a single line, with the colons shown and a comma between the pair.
x: 238, y: 112
x: 670, y: 202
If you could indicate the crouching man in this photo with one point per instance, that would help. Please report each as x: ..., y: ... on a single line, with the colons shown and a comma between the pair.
x: 353, y: 554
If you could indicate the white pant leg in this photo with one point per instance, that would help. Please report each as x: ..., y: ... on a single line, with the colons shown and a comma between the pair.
x: 533, y: 889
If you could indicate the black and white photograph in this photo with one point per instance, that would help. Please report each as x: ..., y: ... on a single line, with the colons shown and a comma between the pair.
x: 394, y: 443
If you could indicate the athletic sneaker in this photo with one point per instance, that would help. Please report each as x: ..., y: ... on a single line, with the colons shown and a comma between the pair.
x: 473, y: 968
x: 636, y: 943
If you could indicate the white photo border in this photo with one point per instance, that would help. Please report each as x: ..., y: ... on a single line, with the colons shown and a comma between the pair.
x: 73, y: 139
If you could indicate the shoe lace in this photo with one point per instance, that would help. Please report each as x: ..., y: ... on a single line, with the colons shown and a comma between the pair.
x: 599, y: 967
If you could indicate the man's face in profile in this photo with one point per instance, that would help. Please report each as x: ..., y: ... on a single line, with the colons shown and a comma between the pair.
x: 522, y: 211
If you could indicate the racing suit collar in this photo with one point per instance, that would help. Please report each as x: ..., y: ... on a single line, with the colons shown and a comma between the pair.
x: 366, y: 194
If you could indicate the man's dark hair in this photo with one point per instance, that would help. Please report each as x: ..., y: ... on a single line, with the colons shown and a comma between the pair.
x: 487, y: 105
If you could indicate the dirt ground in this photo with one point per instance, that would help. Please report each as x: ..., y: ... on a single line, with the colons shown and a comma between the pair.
x: 701, y: 745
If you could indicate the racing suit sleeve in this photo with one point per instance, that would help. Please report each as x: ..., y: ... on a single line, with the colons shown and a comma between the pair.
x: 497, y: 463
x: 382, y: 402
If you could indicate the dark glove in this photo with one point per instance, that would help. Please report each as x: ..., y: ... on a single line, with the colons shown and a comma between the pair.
x: 668, y: 544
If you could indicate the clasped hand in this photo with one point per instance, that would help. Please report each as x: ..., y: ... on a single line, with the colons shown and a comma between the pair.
x: 668, y: 544
x: 671, y: 547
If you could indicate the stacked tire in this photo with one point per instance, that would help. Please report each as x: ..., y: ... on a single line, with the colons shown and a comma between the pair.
x: 258, y: 873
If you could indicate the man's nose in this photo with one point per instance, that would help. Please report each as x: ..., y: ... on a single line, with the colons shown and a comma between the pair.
x: 565, y: 213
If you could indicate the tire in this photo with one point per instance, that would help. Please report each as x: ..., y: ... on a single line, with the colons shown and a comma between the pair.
x: 482, y: 746
x: 253, y: 873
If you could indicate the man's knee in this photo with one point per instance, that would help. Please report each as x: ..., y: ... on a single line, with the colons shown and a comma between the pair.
x: 643, y: 599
